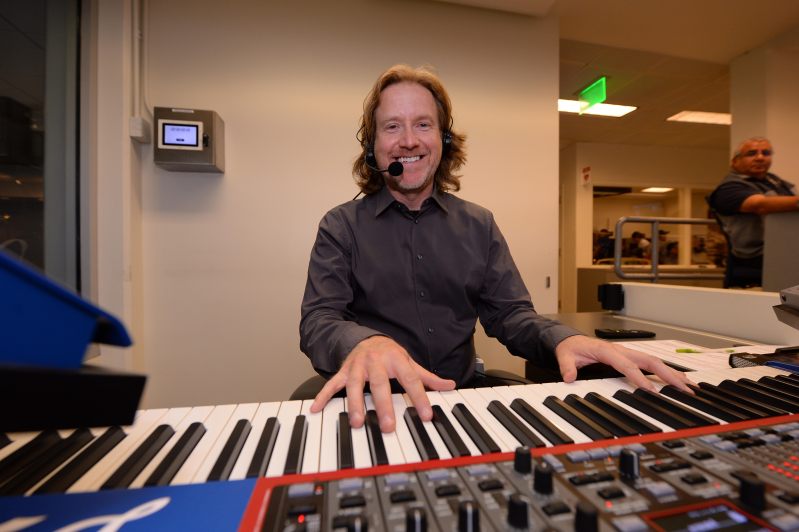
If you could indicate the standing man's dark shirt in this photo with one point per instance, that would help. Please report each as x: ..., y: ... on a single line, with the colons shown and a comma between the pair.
x: 423, y: 278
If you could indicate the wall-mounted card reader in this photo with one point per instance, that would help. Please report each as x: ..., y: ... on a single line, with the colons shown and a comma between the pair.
x: 189, y: 140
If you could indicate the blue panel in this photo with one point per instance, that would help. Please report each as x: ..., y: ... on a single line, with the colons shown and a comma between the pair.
x: 210, y: 506
x: 44, y: 324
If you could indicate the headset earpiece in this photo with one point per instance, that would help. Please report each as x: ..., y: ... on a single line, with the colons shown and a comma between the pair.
x: 370, y: 158
x: 446, y: 142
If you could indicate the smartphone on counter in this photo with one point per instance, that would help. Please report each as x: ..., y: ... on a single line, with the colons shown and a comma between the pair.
x: 618, y: 334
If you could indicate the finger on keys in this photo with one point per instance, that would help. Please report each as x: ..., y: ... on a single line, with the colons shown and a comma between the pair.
x: 656, y: 366
x: 568, y: 367
x: 355, y: 403
x: 381, y: 396
x: 327, y: 392
x: 409, y: 378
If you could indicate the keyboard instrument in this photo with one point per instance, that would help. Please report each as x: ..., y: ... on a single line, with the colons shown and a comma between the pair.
x: 227, y: 442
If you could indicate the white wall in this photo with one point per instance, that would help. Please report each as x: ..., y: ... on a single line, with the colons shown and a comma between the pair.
x: 224, y: 258
x: 763, y: 100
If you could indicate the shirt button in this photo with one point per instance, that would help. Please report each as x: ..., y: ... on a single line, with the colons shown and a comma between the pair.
x: 430, y: 330
x: 421, y: 294
x: 416, y: 221
x: 419, y: 256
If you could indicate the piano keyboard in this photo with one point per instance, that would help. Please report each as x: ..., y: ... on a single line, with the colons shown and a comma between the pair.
x: 201, y: 444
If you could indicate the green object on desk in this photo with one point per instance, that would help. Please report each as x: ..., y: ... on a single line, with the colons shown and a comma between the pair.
x: 686, y: 350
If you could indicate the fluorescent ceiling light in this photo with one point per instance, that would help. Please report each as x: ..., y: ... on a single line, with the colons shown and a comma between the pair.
x: 701, y: 117
x: 601, y: 109
x: 657, y: 190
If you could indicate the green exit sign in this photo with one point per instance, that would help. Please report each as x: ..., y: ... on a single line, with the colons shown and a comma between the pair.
x: 593, y: 94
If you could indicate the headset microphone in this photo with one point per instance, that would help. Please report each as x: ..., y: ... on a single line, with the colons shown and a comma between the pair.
x: 394, y: 169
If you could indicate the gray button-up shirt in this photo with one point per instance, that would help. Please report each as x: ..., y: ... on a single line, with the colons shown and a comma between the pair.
x: 422, y: 278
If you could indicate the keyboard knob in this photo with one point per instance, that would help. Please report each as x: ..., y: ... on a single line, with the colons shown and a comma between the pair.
x: 415, y: 520
x: 468, y: 517
x: 753, y: 492
x: 586, y: 518
x: 522, y: 461
x: 629, y: 464
x: 518, y: 512
x: 542, y: 479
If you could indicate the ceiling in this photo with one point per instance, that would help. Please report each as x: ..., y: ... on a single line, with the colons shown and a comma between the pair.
x: 663, y: 57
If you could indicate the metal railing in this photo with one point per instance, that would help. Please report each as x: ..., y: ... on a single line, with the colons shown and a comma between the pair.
x: 654, y: 274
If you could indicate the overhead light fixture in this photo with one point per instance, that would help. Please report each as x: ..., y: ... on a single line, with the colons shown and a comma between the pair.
x: 600, y: 109
x: 657, y: 190
x: 702, y: 117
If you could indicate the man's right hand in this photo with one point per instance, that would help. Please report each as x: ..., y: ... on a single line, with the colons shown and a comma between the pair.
x: 376, y: 360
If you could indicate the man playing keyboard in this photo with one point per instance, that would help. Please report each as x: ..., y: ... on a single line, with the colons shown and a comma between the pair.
x: 398, y: 279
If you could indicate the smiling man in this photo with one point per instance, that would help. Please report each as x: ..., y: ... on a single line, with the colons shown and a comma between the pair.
x: 747, y: 193
x: 398, y: 279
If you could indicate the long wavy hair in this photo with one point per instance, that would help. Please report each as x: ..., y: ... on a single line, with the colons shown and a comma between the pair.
x: 452, y: 157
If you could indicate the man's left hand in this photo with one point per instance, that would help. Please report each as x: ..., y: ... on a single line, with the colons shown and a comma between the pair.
x: 577, y: 351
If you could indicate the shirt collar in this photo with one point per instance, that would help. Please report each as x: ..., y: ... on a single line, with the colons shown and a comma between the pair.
x: 384, y: 200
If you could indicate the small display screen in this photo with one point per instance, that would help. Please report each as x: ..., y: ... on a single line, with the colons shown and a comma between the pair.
x: 180, y: 135
x: 717, y: 517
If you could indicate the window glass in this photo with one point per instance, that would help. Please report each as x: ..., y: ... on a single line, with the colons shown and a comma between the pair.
x: 38, y: 132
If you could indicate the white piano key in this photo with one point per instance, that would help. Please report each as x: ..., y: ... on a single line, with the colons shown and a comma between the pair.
x: 144, y: 423
x: 264, y: 412
x: 435, y: 437
x: 219, y: 426
x: 289, y: 410
x: 313, y: 438
x: 198, y: 413
x: 360, y: 445
x: 390, y: 440
x: 437, y: 399
x: 214, y: 425
x: 328, y: 454
x: 404, y: 438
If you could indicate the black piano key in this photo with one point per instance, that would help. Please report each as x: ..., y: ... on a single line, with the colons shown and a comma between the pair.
x: 138, y: 460
x: 786, y: 384
x: 653, y: 410
x: 747, y: 401
x: 744, y: 390
x: 788, y: 396
x: 577, y: 419
x: 4, y: 440
x: 263, y: 451
x: 47, y: 463
x: 512, y: 424
x: 642, y: 426
x: 700, y: 403
x: 88, y: 458
x: 614, y: 425
x: 540, y: 423
x: 296, y: 446
x: 675, y: 407
x: 19, y: 459
x: 377, y: 448
x: 714, y: 396
x: 346, y: 457
x: 421, y: 439
x: 177, y: 456
x: 451, y: 438
x: 230, y: 452
x: 792, y: 376
x: 474, y: 429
